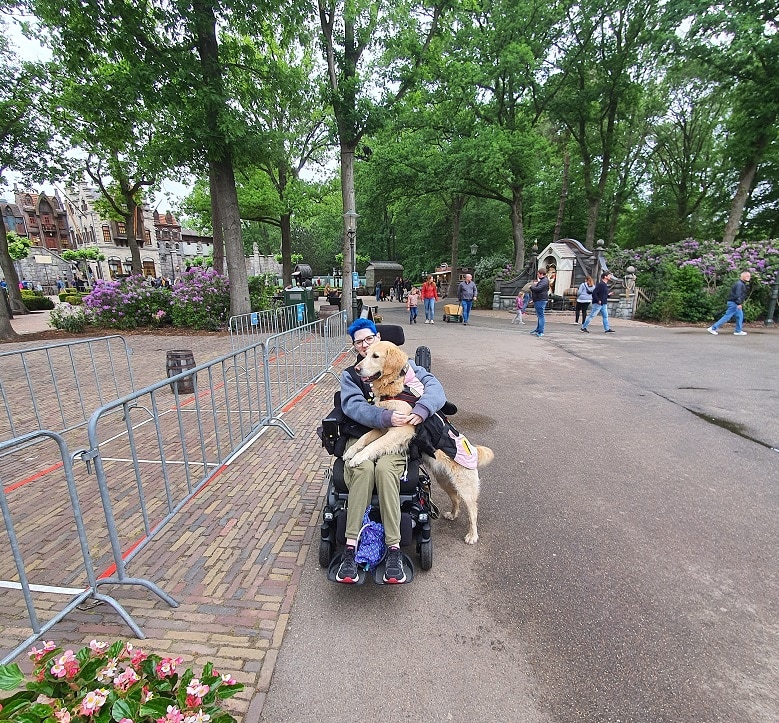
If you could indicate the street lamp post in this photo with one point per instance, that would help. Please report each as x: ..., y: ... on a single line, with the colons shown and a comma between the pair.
x: 769, y: 321
x: 350, y: 219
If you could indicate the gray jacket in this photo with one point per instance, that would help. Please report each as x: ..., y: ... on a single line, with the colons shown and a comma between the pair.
x: 466, y: 291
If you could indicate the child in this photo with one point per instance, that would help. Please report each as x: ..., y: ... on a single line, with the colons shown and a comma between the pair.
x: 520, y: 305
x: 411, y: 304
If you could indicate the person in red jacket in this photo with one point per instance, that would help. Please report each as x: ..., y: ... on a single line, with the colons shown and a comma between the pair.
x: 429, y: 297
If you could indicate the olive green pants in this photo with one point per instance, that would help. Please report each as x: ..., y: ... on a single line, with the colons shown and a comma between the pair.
x: 384, y: 473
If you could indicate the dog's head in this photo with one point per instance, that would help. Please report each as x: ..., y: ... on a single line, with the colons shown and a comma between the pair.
x: 383, y: 360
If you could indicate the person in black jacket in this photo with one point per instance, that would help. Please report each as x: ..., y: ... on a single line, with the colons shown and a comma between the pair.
x: 736, y: 299
x: 540, y: 293
x: 600, y: 297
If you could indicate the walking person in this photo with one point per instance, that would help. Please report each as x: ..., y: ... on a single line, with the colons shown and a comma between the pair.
x: 519, y: 307
x: 736, y: 299
x: 600, y: 297
x: 377, y: 289
x: 584, y: 298
x: 539, y: 290
x: 429, y: 297
x: 466, y: 294
x: 412, y: 302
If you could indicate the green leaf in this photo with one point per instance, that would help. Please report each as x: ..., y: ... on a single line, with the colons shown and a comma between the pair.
x: 124, y: 709
x: 156, y: 707
x: 11, y: 676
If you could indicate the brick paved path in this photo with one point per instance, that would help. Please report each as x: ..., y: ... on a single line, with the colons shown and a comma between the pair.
x: 232, y: 556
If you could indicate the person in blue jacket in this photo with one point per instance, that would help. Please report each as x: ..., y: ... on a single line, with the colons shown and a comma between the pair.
x: 385, y: 472
x: 736, y: 299
x: 600, y: 297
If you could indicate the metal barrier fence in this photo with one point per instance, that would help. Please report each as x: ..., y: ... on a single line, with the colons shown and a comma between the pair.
x: 299, y: 357
x: 29, y: 548
x: 248, y: 329
x: 151, y: 451
x: 62, y: 383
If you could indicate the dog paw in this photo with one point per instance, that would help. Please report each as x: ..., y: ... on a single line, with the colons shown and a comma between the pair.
x: 450, y: 515
x: 356, y: 460
x: 471, y: 538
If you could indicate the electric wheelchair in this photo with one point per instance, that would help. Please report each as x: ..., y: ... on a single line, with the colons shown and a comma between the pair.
x: 417, y: 509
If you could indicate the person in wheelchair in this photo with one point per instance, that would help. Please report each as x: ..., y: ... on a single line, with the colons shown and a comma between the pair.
x: 384, y: 473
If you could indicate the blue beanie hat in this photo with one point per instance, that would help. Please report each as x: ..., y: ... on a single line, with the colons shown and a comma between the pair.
x: 358, y: 324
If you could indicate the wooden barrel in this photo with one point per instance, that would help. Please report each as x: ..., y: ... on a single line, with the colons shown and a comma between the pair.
x: 328, y: 310
x: 177, y: 362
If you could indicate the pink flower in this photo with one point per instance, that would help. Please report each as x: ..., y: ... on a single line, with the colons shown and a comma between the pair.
x: 66, y: 666
x: 228, y: 679
x: 93, y: 702
x: 62, y: 716
x: 167, y: 667
x: 174, y: 715
x: 48, y: 646
x: 199, y: 717
x: 197, y: 688
x: 124, y: 680
x: 98, y: 647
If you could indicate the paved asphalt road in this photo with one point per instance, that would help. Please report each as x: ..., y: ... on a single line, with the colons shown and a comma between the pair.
x: 627, y: 566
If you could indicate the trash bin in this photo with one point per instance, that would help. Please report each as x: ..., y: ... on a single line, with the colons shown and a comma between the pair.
x: 304, y: 300
x: 177, y: 362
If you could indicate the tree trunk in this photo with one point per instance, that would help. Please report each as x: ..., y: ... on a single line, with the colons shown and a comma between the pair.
x: 286, y: 247
x: 7, y: 332
x: 347, y: 194
x: 10, y: 275
x: 131, y: 224
x: 518, y: 227
x: 220, y: 157
x: 456, y: 208
x: 216, y: 223
x: 231, y: 231
x: 745, y: 180
x: 558, y: 227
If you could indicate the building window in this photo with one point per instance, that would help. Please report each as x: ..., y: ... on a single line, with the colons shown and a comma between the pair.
x: 106, y: 234
x: 148, y: 269
x: 121, y: 228
x: 115, y: 267
x: 147, y: 234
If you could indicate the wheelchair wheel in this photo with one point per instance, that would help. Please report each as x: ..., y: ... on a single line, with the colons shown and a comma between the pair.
x: 423, y: 358
x: 325, y: 553
x: 425, y: 550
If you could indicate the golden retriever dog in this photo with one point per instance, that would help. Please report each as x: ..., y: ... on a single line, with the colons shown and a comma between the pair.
x: 384, y: 365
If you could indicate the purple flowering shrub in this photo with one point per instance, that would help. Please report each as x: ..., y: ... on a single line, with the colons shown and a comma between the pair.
x: 126, y: 303
x: 715, y: 260
x: 200, y: 300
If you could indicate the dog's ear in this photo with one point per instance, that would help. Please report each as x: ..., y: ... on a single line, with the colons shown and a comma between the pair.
x: 396, y: 360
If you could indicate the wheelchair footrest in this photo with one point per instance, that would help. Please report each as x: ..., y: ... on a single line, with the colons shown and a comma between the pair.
x: 377, y: 573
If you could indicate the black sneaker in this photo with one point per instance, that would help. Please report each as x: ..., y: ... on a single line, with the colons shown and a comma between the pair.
x: 586, y: 331
x: 609, y: 331
x: 347, y: 571
x: 393, y: 570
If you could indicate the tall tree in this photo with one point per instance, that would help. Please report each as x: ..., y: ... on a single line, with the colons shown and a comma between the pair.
x: 738, y: 44
x: 27, y: 144
x: 606, y: 56
x: 386, y: 42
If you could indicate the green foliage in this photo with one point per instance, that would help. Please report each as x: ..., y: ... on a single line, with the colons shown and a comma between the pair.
x: 261, y: 291
x: 83, y: 254
x: 36, y: 301
x: 112, y: 683
x: 18, y: 246
x: 72, y: 299
x: 73, y: 319
x: 680, y: 294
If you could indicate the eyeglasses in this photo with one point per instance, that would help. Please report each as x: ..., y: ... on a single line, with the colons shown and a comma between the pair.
x: 365, y: 341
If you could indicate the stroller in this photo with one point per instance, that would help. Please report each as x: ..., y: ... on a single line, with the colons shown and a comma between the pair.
x: 417, y: 510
